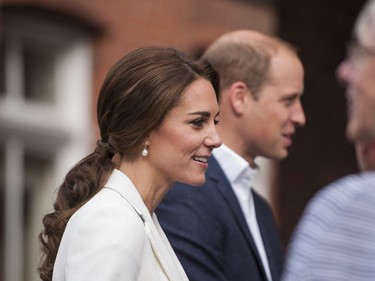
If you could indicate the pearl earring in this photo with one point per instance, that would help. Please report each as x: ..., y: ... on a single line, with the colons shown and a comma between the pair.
x: 144, y: 151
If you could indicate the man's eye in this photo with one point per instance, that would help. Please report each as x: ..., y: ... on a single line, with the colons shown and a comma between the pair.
x: 289, y: 101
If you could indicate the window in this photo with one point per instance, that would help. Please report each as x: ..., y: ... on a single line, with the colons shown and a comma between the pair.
x: 45, y: 114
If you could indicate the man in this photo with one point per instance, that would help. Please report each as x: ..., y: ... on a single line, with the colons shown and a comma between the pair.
x: 335, y: 238
x: 365, y: 153
x: 224, y: 230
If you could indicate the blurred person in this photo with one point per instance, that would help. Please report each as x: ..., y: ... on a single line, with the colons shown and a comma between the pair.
x: 335, y: 238
x: 365, y: 153
x: 157, y: 112
x: 224, y: 230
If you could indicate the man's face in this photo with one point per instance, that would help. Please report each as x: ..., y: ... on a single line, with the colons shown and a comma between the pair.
x: 357, y: 72
x: 271, y: 119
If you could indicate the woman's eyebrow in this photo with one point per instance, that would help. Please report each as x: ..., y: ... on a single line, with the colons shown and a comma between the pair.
x: 204, y: 113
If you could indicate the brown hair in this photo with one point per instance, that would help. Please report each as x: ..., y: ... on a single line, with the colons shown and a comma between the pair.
x: 245, y: 57
x: 135, y: 97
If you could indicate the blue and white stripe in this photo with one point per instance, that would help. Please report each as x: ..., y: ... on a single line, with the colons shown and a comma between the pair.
x: 335, y: 238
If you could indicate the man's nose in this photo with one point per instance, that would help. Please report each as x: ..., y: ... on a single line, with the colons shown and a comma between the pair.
x: 343, y: 72
x: 298, y: 115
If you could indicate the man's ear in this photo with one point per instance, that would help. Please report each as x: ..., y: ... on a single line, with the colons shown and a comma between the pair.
x: 365, y: 153
x: 239, y: 97
x: 372, y: 152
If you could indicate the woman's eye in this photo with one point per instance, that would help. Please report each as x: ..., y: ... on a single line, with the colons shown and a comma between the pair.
x: 216, y: 121
x: 198, y: 122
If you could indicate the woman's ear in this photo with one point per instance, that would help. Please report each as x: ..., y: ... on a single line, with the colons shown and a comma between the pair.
x: 239, y: 97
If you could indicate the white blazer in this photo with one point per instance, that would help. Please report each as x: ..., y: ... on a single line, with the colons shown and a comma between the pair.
x: 113, y: 237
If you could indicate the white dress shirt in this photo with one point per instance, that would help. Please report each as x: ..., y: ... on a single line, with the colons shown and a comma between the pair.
x: 241, y: 176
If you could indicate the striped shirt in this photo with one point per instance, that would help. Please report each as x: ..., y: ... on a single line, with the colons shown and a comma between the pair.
x: 335, y: 238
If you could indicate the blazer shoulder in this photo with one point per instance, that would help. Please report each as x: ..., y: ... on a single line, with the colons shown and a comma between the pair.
x: 110, y: 211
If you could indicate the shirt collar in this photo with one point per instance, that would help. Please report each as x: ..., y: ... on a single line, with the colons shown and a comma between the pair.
x: 233, y: 165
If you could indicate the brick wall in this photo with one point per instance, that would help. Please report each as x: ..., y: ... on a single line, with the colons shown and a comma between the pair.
x: 124, y: 25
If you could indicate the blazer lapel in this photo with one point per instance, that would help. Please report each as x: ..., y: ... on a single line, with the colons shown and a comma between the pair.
x: 121, y: 184
x: 216, y: 174
x: 163, y: 251
x: 270, y: 236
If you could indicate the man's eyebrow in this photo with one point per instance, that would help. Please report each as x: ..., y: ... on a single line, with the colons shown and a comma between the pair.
x: 292, y: 96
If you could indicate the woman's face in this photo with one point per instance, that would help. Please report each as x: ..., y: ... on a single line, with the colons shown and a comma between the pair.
x: 180, y: 147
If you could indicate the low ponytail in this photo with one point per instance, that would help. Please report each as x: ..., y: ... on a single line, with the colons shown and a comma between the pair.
x: 81, y: 183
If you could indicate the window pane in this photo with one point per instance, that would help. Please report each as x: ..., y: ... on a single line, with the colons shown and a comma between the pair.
x: 2, y: 215
x: 39, y: 67
x: 37, y: 173
x: 2, y: 67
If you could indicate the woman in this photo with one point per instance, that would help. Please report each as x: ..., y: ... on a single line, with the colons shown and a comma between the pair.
x: 157, y: 112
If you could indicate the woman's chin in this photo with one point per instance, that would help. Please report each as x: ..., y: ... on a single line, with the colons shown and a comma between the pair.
x: 196, y: 182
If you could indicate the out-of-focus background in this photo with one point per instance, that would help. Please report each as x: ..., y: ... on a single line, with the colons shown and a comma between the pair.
x: 54, y: 55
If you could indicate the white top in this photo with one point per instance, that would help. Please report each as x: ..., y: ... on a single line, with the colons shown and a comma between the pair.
x: 113, y: 237
x: 241, y: 176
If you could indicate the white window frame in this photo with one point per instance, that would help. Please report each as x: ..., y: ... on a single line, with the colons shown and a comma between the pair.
x: 61, y: 130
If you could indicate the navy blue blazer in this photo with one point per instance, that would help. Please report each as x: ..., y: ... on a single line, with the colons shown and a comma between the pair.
x: 209, y: 234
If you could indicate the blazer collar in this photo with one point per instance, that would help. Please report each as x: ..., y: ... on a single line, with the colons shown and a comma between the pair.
x: 163, y: 252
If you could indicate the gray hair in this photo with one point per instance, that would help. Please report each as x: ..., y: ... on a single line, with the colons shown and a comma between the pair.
x: 365, y: 25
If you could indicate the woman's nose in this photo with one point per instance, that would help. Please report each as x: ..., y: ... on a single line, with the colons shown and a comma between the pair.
x: 213, y: 139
